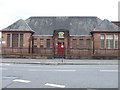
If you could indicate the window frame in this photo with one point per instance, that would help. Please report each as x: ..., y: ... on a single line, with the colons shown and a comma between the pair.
x: 81, y: 43
x: 8, y: 40
x: 88, y: 43
x: 48, y: 43
x: 102, y: 41
x: 41, y: 43
x: 74, y: 43
x: 21, y: 40
x: 115, y: 40
x: 15, y: 40
x: 109, y: 41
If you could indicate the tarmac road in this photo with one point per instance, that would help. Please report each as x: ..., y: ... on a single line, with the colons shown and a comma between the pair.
x: 59, y: 76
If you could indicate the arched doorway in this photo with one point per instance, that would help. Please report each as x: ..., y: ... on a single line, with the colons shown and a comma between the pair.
x: 60, y: 43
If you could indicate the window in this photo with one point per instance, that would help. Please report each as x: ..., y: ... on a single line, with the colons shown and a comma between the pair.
x: 102, y: 40
x: 74, y: 43
x: 35, y: 40
x: 81, y: 43
x: 21, y: 40
x: 109, y: 41
x: 48, y: 43
x: 88, y: 43
x: 35, y: 46
x: 116, y: 41
x: 41, y: 43
x: 14, y: 40
x: 8, y: 40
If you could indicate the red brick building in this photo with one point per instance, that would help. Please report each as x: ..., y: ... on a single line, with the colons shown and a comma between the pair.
x: 67, y: 37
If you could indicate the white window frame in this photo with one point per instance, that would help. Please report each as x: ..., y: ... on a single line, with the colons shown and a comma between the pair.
x: 115, y: 39
x: 109, y: 38
x: 102, y: 37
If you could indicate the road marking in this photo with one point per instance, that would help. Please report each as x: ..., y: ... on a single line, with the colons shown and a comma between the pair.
x: 55, y: 85
x: 109, y: 70
x: 23, y: 81
x: 53, y: 70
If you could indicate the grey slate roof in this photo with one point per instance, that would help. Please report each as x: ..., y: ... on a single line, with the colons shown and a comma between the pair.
x: 75, y: 25
x: 20, y: 25
x: 106, y: 25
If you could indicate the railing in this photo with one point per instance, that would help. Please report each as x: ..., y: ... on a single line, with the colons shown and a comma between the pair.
x: 27, y: 52
x: 51, y: 53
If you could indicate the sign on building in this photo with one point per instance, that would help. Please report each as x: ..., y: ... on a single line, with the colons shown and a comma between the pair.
x: 61, y: 35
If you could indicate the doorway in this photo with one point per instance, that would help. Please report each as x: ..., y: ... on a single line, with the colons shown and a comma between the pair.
x: 60, y: 49
x: 60, y: 43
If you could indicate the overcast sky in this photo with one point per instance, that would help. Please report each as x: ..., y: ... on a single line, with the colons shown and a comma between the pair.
x: 13, y: 10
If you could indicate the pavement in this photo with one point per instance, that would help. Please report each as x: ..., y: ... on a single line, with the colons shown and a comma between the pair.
x: 59, y: 61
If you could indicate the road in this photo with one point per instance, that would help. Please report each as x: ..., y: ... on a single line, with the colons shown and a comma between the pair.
x: 59, y: 76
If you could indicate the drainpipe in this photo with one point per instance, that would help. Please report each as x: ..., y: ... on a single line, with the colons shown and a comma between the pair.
x: 93, y: 43
x: 30, y: 44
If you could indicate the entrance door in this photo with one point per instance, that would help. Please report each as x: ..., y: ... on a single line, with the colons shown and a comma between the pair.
x: 60, y: 43
x: 60, y: 49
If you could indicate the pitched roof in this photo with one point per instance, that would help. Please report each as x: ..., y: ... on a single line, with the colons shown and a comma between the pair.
x: 19, y: 25
x: 106, y: 25
x: 75, y: 25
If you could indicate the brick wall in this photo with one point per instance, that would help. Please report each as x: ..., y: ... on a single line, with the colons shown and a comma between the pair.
x: 70, y: 52
x: 18, y: 50
x: 98, y: 51
x: 42, y: 50
x: 78, y: 51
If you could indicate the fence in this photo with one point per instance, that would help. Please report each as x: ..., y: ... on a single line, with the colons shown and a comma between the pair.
x: 52, y: 52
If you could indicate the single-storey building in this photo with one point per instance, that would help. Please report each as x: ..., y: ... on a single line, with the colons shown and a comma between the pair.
x: 64, y: 37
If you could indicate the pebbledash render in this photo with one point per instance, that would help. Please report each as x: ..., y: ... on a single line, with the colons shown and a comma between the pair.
x: 61, y: 37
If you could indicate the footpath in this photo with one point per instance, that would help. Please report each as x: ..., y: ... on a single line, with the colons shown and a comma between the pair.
x: 59, y: 61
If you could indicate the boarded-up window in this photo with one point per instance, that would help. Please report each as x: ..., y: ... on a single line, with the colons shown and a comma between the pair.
x: 74, y: 43
x: 8, y: 40
x: 48, y: 43
x: 102, y: 40
x: 15, y: 40
x: 81, y: 43
x: 88, y: 43
x: 21, y: 40
x: 35, y: 41
x: 41, y: 43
